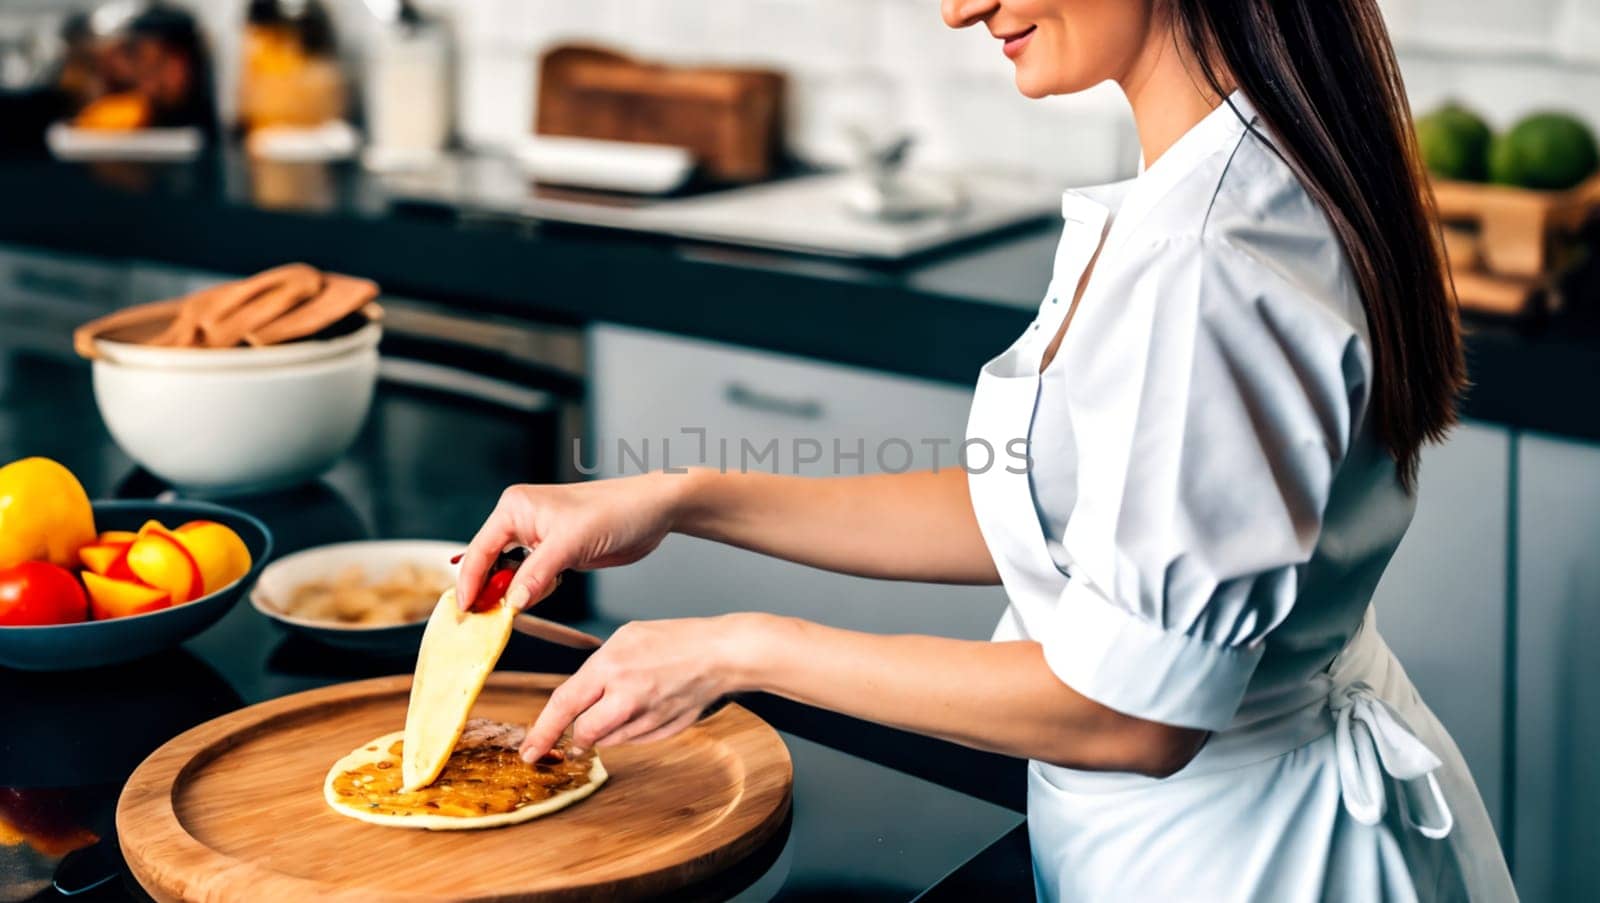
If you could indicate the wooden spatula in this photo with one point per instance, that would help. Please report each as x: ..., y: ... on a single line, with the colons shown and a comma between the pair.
x: 554, y: 632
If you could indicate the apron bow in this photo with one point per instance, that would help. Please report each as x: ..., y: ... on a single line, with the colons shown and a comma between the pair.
x: 1372, y: 741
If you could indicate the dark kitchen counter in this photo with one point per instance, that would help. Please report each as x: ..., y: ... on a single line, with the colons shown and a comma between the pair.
x: 939, y: 316
x: 878, y: 814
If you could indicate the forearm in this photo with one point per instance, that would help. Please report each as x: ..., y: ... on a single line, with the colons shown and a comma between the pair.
x: 1001, y: 697
x: 911, y: 526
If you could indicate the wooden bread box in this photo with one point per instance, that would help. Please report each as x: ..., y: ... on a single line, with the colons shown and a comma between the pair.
x: 1508, y: 246
x: 730, y: 119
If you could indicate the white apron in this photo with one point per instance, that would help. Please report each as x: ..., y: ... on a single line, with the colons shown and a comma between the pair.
x: 1343, y: 789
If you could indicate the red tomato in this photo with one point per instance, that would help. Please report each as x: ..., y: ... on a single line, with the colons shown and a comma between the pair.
x: 38, y: 592
x: 494, y: 589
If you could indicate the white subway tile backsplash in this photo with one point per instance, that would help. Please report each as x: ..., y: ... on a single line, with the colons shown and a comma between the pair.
x: 1502, y: 89
x: 892, y: 66
x: 985, y: 123
x: 825, y: 106
x: 829, y: 35
x: 912, y: 40
x: 484, y: 24
x: 1578, y: 30
x: 495, y: 92
x: 1487, y: 25
x: 673, y: 31
x: 1403, y: 18
x: 1431, y: 81
x: 1506, y: 91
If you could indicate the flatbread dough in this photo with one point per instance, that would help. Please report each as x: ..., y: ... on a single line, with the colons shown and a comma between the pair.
x: 459, y: 649
x: 381, y: 750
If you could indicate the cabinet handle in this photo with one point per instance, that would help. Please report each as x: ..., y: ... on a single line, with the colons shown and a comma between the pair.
x: 746, y: 397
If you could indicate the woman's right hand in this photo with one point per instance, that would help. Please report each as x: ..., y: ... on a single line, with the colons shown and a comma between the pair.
x: 574, y: 526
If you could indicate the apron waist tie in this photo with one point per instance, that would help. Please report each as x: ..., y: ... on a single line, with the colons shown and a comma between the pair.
x: 1372, y: 741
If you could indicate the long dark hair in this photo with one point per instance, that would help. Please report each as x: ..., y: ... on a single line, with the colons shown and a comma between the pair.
x: 1323, y: 76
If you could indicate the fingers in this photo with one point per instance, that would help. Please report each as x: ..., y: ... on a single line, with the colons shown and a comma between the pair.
x: 570, y: 700
x: 539, y: 574
x: 632, y: 730
x: 613, y: 712
x: 480, y: 556
x: 675, y: 726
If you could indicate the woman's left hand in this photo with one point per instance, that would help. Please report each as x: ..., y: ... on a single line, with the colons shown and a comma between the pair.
x: 649, y: 681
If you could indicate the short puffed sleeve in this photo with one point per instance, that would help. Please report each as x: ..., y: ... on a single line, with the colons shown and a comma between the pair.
x: 1211, y: 416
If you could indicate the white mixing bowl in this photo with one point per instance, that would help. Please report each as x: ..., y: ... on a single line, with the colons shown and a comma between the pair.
x: 232, y: 429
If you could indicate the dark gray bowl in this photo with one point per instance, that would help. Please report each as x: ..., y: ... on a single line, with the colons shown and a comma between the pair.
x: 93, y: 644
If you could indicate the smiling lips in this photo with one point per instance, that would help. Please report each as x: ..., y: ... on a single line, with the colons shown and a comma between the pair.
x: 1017, y: 41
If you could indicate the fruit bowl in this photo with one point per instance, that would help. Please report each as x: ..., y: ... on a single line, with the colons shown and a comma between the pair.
x: 93, y: 644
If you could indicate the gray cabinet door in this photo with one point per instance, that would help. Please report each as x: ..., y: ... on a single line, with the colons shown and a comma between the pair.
x: 1557, y: 730
x: 1442, y: 603
x: 657, y: 400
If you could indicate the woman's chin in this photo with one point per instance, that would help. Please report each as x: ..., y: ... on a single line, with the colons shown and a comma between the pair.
x: 1034, y: 86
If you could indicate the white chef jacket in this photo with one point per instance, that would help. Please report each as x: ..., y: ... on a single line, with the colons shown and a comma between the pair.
x: 1196, y: 539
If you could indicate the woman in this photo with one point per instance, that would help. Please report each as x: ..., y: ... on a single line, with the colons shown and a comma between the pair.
x: 1224, y: 395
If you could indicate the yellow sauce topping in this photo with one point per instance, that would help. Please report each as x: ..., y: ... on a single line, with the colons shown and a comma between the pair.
x: 484, y: 780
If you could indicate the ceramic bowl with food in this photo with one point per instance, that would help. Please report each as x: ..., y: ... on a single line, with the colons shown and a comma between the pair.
x: 93, y: 644
x: 373, y: 595
x: 231, y: 430
x: 243, y: 386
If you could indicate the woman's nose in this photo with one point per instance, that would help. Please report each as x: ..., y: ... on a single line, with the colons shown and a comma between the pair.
x: 961, y: 13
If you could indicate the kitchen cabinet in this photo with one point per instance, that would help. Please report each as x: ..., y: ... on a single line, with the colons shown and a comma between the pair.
x: 1442, y: 603
x: 658, y: 400
x: 1557, y: 671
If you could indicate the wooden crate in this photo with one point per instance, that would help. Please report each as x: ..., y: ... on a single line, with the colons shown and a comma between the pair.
x: 1507, y: 246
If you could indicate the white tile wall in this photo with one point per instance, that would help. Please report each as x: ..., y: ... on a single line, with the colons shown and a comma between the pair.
x: 1502, y: 88
x: 1503, y: 57
x: 891, y: 65
x: 1578, y: 30
x: 1487, y: 25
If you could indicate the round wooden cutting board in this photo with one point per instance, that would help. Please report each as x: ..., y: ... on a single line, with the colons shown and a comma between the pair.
x: 233, y: 809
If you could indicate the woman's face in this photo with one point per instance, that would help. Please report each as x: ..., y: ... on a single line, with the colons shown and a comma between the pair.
x: 1062, y: 46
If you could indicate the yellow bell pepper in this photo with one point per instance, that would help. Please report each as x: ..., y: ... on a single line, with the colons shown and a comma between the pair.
x: 44, y: 514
